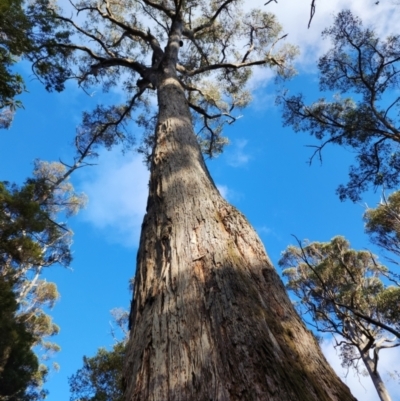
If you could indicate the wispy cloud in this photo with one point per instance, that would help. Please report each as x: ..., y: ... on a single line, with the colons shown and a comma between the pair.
x: 294, y: 17
x: 264, y: 230
x: 236, y: 155
x: 229, y: 194
x: 224, y: 191
x: 117, y: 189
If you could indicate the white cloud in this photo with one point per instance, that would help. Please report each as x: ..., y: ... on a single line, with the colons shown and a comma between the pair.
x: 229, y: 194
x: 117, y: 189
x: 263, y: 101
x: 294, y: 17
x: 361, y: 386
x: 236, y: 156
x: 223, y: 190
x: 264, y: 230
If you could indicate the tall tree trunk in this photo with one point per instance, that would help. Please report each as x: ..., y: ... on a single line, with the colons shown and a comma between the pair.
x: 211, y: 319
x: 374, y: 374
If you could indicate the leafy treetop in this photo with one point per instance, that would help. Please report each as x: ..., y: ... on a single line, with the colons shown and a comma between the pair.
x: 344, y: 293
x: 20, y: 373
x: 211, y: 45
x: 31, y: 240
x: 13, y: 42
x: 27, y: 31
x: 382, y: 224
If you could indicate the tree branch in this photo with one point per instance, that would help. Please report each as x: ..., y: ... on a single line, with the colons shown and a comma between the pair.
x: 210, y: 22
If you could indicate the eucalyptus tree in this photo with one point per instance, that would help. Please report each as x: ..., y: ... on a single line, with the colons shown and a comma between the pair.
x: 364, y: 72
x: 100, y: 378
x: 20, y: 374
x: 25, y: 31
x: 344, y: 293
x: 382, y: 224
x: 210, y: 317
x: 14, y: 24
x: 32, y: 240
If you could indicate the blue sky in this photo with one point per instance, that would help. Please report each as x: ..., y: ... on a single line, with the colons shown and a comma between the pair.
x: 263, y: 172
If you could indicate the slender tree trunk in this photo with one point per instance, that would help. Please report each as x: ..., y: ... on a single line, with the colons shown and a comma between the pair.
x: 375, y: 376
x: 211, y: 319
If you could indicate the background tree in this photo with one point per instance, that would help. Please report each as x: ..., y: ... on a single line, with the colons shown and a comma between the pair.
x: 367, y: 67
x: 100, y: 379
x: 20, y: 373
x: 210, y: 318
x: 26, y: 31
x: 32, y: 240
x: 342, y: 291
x: 14, y: 41
x: 382, y: 224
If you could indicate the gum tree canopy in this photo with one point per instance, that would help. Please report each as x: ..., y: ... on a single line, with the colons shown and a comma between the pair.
x: 210, y: 319
x: 343, y: 291
x: 364, y: 71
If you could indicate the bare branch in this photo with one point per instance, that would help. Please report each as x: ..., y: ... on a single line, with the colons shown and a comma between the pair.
x: 210, y: 22
x: 312, y: 12
x: 160, y: 7
x: 220, y: 66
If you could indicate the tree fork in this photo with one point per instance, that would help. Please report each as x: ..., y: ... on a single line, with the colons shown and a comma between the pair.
x: 211, y: 319
x: 374, y: 374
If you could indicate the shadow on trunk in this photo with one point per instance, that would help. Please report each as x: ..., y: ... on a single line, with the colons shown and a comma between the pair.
x: 211, y: 319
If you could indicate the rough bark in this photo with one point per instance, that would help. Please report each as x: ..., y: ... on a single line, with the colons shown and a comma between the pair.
x: 211, y: 319
x: 375, y: 376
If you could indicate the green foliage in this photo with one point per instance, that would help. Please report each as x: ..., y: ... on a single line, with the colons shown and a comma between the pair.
x: 344, y: 293
x: 382, y: 224
x: 13, y: 42
x: 20, y: 373
x: 100, y: 379
x: 22, y: 220
x: 327, y: 275
x: 29, y: 235
x: 31, y: 240
x: 113, y: 44
x: 361, y: 64
x: 29, y: 31
x: 388, y: 303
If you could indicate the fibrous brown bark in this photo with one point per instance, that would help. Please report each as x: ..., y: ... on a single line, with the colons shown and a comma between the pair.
x: 211, y: 319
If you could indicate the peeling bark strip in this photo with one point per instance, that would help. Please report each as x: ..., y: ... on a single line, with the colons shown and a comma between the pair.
x: 211, y: 319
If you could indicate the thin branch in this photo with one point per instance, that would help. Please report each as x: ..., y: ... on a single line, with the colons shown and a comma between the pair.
x: 219, y: 66
x: 251, y: 45
x: 203, y: 112
x: 147, y: 11
x: 312, y: 12
x: 84, y: 32
x: 387, y: 110
x: 210, y: 22
x: 160, y: 7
